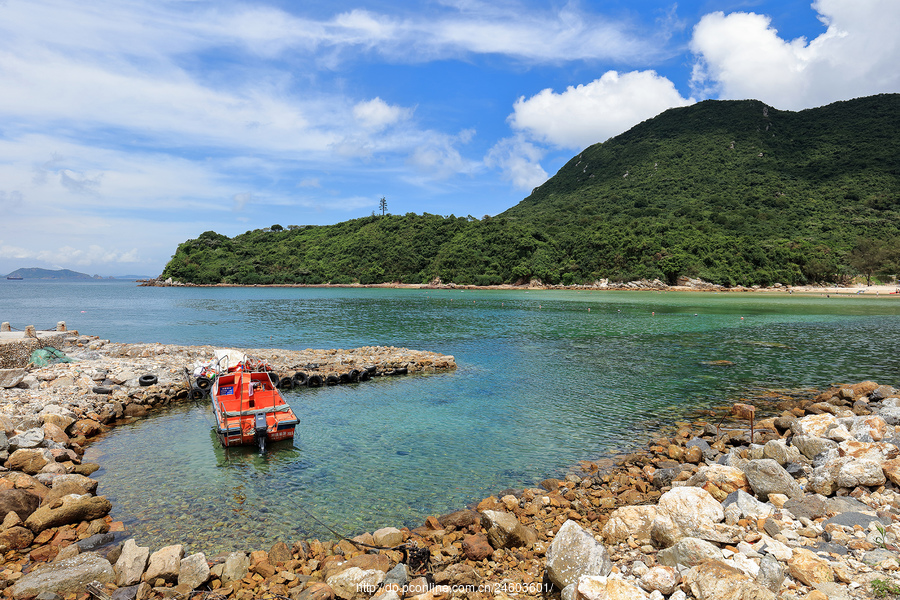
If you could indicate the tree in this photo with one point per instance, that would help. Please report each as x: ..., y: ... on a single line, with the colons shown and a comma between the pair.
x: 276, y: 227
x: 382, y: 204
x: 868, y: 256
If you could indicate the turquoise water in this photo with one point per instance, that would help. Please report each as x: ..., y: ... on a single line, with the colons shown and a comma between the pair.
x: 545, y: 379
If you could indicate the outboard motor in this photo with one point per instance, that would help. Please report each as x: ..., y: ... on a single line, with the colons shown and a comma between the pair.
x: 260, y: 427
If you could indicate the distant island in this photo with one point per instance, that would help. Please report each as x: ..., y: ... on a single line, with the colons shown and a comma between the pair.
x: 63, y: 275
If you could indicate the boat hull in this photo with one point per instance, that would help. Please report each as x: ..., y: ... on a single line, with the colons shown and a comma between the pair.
x: 249, y: 410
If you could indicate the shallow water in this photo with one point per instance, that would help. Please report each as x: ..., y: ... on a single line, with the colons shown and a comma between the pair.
x: 542, y: 383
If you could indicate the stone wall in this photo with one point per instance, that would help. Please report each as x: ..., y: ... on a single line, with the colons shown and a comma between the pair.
x: 16, y: 353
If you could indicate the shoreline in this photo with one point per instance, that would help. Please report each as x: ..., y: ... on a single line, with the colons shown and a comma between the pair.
x: 640, y: 285
x: 477, y: 547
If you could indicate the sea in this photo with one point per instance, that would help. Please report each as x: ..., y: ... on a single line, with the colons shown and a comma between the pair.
x: 545, y: 379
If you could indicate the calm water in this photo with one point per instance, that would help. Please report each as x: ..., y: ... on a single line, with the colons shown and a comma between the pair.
x: 545, y: 379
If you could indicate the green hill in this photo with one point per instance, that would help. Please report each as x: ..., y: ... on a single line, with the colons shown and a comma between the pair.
x: 734, y: 192
x: 60, y: 274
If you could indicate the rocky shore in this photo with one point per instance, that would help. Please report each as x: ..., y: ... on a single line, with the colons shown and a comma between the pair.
x: 807, y: 509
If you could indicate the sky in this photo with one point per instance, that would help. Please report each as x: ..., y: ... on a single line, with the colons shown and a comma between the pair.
x: 130, y: 126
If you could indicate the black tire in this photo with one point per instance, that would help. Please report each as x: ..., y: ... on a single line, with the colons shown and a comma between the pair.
x: 332, y: 380
x: 300, y: 378
x: 147, y: 380
x: 273, y: 377
x: 314, y: 381
x: 286, y: 383
x: 197, y: 393
x: 204, y: 383
x: 344, y: 378
x: 365, y: 376
x: 353, y: 376
x: 401, y: 371
x: 372, y: 369
x: 102, y: 389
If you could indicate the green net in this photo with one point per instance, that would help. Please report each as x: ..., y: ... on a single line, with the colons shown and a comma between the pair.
x: 48, y: 356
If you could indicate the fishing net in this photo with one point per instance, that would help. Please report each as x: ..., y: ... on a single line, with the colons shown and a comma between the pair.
x: 48, y: 356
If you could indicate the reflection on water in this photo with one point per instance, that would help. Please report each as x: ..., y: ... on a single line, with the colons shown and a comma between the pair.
x: 542, y: 383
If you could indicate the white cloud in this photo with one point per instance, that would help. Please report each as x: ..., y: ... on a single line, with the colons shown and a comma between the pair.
x: 593, y: 112
x: 741, y: 55
x: 376, y: 114
x: 519, y: 161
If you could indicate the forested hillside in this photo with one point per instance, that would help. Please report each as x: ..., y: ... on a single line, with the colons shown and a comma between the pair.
x: 734, y: 192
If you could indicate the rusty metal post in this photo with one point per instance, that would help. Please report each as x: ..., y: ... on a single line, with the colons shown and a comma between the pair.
x: 745, y: 411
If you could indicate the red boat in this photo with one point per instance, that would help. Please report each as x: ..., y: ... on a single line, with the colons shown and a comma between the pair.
x: 250, y: 409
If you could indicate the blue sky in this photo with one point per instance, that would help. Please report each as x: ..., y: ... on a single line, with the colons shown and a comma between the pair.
x: 129, y: 126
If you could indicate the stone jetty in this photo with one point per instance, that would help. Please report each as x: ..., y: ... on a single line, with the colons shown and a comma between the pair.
x: 807, y: 509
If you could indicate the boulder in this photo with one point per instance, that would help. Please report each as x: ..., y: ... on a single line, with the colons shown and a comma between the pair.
x: 31, y: 438
x: 10, y: 378
x: 768, y: 477
x: 355, y: 583
x: 689, y: 552
x: 593, y: 587
x: 780, y: 452
x: 60, y: 420
x: 749, y: 506
x: 771, y: 573
x: 22, y: 502
x: 55, y: 433
x: 64, y: 577
x: 879, y: 451
x: 460, y: 519
x: 662, y: 579
x: 388, y: 537
x: 131, y: 564
x: 505, y: 531
x: 574, y: 553
x: 811, y: 446
x: 86, y: 483
x: 165, y: 563
x: 725, y: 478
x: 630, y: 521
x: 237, y: 565
x: 279, y: 553
x: 68, y: 509
x: 476, y: 547
x: 29, y: 460
x: 684, y: 512
x: 194, y: 571
x: 15, y: 538
x: 715, y: 580
x: 808, y: 568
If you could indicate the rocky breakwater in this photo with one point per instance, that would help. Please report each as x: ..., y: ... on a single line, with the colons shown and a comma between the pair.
x: 806, y: 510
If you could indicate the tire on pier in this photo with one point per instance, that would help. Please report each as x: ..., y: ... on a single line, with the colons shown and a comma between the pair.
x: 364, y: 375
x: 147, y: 380
x: 353, y: 376
x: 204, y: 383
x: 197, y: 393
x: 300, y: 379
x: 286, y: 383
x: 372, y: 370
x: 344, y: 378
x: 332, y: 380
x: 314, y: 381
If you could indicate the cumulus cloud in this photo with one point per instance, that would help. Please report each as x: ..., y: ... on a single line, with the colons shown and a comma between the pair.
x: 593, y: 112
x: 740, y: 55
x: 376, y: 114
x: 90, y: 255
x: 519, y: 161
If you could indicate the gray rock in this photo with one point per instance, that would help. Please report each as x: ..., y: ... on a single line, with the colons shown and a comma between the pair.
x: 771, y: 573
x: 882, y: 392
x: 749, y: 506
x: 766, y: 476
x: 573, y: 553
x: 27, y: 439
x: 810, y: 507
x: 125, y: 593
x: 95, y: 541
x: 873, y: 557
x: 849, y: 519
x: 705, y: 448
x: 86, y: 483
x: 194, y: 571
x: 4, y: 442
x: 398, y: 575
x: 780, y: 452
x: 842, y: 504
x: 64, y: 577
x: 131, y: 563
x: 237, y: 565
x: 890, y: 414
x: 10, y: 378
x: 355, y: 583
